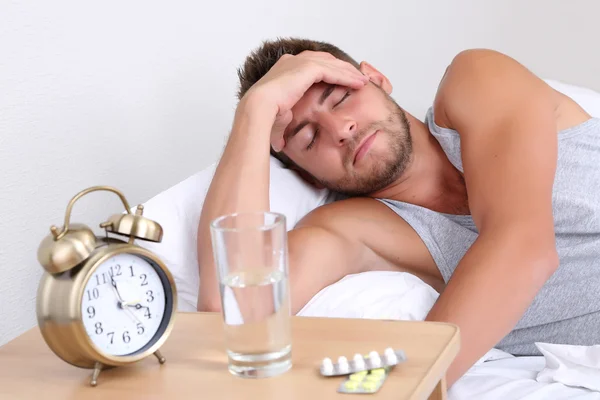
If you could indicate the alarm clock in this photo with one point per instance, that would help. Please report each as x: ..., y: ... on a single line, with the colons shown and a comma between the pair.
x: 103, y: 301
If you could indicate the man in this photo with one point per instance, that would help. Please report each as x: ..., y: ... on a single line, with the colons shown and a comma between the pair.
x: 494, y: 200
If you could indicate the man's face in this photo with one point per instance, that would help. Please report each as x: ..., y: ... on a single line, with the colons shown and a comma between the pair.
x: 354, y: 142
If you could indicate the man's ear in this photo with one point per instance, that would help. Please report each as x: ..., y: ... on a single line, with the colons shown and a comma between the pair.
x: 376, y: 77
x: 307, y: 177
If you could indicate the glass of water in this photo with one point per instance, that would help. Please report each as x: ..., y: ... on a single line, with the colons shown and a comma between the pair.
x: 250, y: 252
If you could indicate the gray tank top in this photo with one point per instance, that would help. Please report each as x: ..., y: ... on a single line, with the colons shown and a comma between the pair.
x: 567, y: 308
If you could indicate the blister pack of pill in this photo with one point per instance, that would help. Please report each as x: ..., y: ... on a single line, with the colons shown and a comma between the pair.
x: 373, y: 360
x: 364, y: 381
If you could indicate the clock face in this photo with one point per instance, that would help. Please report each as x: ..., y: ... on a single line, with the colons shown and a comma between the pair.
x: 124, y: 303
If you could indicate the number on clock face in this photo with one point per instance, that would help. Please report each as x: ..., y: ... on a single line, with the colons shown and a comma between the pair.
x: 123, y: 304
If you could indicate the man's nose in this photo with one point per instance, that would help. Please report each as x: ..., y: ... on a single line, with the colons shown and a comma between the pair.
x: 343, y: 131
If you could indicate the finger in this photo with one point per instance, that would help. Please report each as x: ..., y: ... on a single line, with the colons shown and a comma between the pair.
x: 353, y: 70
x: 343, y: 78
x: 329, y: 59
x: 281, y: 122
x: 323, y: 55
x: 348, y: 68
x: 278, y: 144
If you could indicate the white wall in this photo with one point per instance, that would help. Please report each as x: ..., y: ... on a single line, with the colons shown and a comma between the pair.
x: 139, y: 95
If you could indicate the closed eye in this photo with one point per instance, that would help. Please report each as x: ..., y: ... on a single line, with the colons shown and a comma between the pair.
x: 342, y: 100
x: 314, y: 139
x: 315, y: 135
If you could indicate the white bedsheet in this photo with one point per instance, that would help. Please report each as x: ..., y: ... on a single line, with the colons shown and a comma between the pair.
x: 514, y: 378
x: 395, y: 295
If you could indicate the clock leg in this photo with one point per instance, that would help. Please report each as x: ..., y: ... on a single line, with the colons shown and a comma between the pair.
x: 97, y: 369
x: 160, y: 357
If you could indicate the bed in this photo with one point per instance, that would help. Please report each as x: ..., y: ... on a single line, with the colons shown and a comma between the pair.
x: 563, y: 372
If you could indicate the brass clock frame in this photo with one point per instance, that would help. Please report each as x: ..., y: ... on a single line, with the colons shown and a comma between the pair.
x: 62, y: 286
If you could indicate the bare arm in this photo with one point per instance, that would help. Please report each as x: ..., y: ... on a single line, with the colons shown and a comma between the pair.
x: 343, y: 238
x: 318, y: 258
x: 505, y: 116
x: 240, y: 184
x: 241, y: 180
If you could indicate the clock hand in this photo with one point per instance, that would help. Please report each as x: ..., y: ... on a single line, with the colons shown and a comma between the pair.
x: 122, y: 304
x: 114, y: 285
x: 138, y: 306
x: 130, y: 303
x: 136, y: 318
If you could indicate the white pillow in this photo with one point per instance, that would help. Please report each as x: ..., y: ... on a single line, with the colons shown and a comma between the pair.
x: 178, y: 208
x: 374, y: 295
x: 588, y: 99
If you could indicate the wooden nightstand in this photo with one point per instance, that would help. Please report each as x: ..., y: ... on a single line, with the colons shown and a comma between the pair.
x: 196, y: 364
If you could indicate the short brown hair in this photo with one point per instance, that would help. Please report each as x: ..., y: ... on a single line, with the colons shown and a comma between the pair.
x: 262, y: 59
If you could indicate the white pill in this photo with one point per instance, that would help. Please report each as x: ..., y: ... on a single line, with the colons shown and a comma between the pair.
x: 391, y: 358
x: 389, y: 351
x: 359, y: 361
x: 375, y: 359
x: 343, y: 364
x: 327, y: 365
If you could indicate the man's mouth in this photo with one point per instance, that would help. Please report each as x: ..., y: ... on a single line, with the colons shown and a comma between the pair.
x: 364, y: 146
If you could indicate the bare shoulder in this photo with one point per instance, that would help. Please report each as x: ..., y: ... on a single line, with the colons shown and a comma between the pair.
x: 475, y: 75
x: 351, y: 217
x: 484, y: 77
x: 369, y: 222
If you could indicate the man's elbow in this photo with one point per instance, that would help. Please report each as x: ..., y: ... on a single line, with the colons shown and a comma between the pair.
x: 530, y: 255
x: 552, y: 262
x: 542, y: 261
